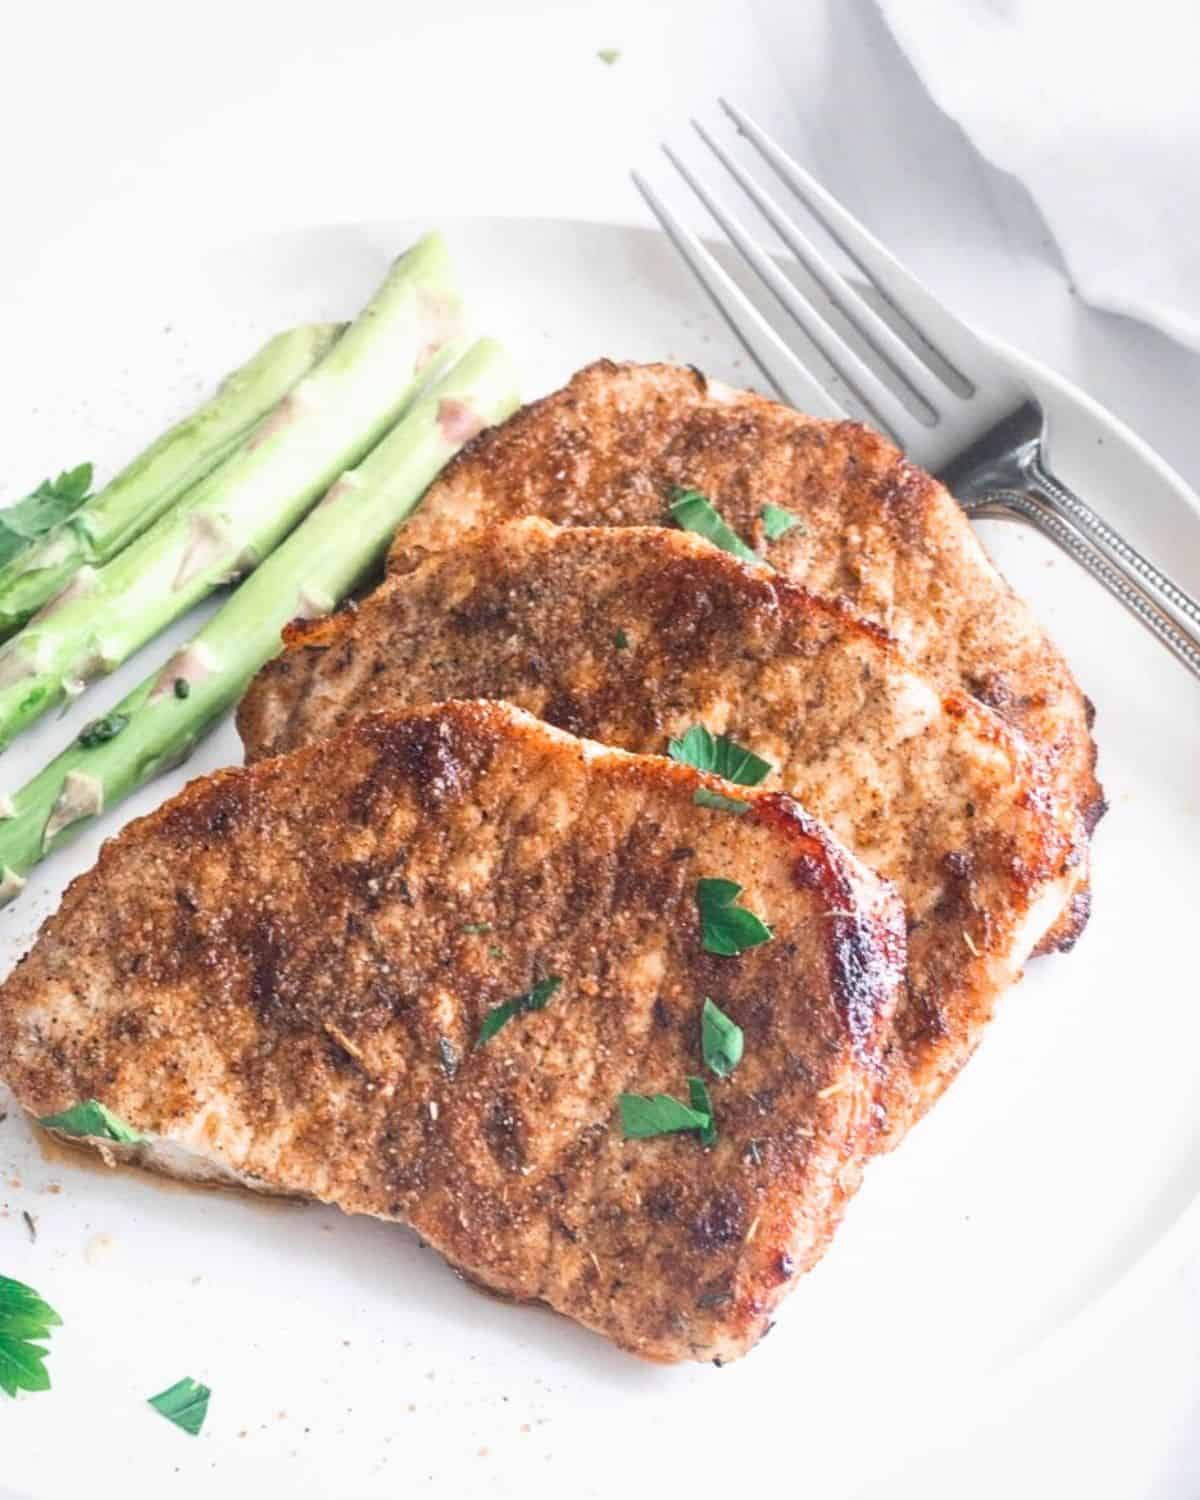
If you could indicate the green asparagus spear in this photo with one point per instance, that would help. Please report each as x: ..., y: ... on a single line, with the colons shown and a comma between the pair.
x: 342, y: 540
x: 224, y: 525
x: 153, y: 482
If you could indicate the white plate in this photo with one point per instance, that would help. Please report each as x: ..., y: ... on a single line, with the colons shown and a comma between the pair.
x: 347, y: 1360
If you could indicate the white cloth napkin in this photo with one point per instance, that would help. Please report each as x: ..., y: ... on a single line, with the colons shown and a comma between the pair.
x: 1095, y: 106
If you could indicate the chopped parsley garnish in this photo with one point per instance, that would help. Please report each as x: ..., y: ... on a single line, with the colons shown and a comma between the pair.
x: 719, y: 754
x: 182, y: 687
x: 534, y: 999
x: 716, y: 1297
x: 53, y: 501
x: 778, y: 522
x: 693, y: 511
x: 702, y: 797
x: 698, y: 1098
x: 728, y: 929
x: 25, y: 1324
x: 608, y: 55
x: 644, y: 1115
x: 721, y: 1040
x: 476, y: 927
x: 185, y: 1403
x: 93, y: 1119
x: 620, y: 640
x: 99, y: 731
x: 660, y: 1114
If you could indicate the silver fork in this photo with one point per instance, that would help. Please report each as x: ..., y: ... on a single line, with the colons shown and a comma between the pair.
x: 966, y: 417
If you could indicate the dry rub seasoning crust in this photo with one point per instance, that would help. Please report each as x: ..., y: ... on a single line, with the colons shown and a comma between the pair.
x: 877, y: 532
x: 273, y: 974
x: 936, y: 792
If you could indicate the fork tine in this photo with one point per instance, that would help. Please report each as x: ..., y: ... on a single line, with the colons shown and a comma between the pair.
x: 780, y: 367
x: 887, y: 344
x: 903, y: 293
x: 882, y: 407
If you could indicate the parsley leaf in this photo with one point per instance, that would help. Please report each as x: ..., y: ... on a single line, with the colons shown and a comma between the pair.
x: 185, y: 1403
x: 99, y: 731
x: 620, y: 640
x: 728, y: 929
x: 475, y: 928
x: 702, y: 797
x: 719, y: 754
x: 778, y: 522
x: 534, y: 999
x: 644, y: 1115
x: 721, y: 1040
x: 39, y: 512
x: 91, y: 1118
x: 693, y: 511
x: 25, y: 1324
x: 608, y: 55
x: 700, y: 1101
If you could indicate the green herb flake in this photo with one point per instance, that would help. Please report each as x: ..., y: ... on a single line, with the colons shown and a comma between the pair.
x: 704, y: 798
x: 609, y: 55
x: 534, y: 999
x: 475, y: 928
x: 182, y: 687
x: 91, y: 1118
x: 721, y: 1040
x: 778, y: 522
x: 717, y: 753
x: 698, y: 1098
x: 25, y: 1324
x: 645, y: 1115
x: 716, y: 1297
x: 185, y: 1403
x: 621, y: 640
x: 39, y: 512
x: 100, y: 731
x: 693, y: 511
x: 728, y: 929
x: 495, y: 951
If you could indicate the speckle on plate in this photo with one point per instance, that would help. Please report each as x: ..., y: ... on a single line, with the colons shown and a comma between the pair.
x: 98, y: 1249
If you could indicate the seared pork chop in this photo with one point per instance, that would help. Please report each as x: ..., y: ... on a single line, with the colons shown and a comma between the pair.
x: 291, y: 975
x: 631, y: 635
x: 875, y: 530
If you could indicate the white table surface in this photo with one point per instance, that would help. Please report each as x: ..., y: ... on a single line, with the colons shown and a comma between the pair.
x: 131, y: 119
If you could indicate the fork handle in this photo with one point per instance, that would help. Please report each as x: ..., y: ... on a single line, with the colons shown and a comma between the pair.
x: 1165, y: 609
x: 1156, y: 583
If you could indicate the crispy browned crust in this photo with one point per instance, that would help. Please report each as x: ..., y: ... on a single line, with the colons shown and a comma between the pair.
x: 274, y: 973
x: 937, y: 794
x: 878, y: 532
